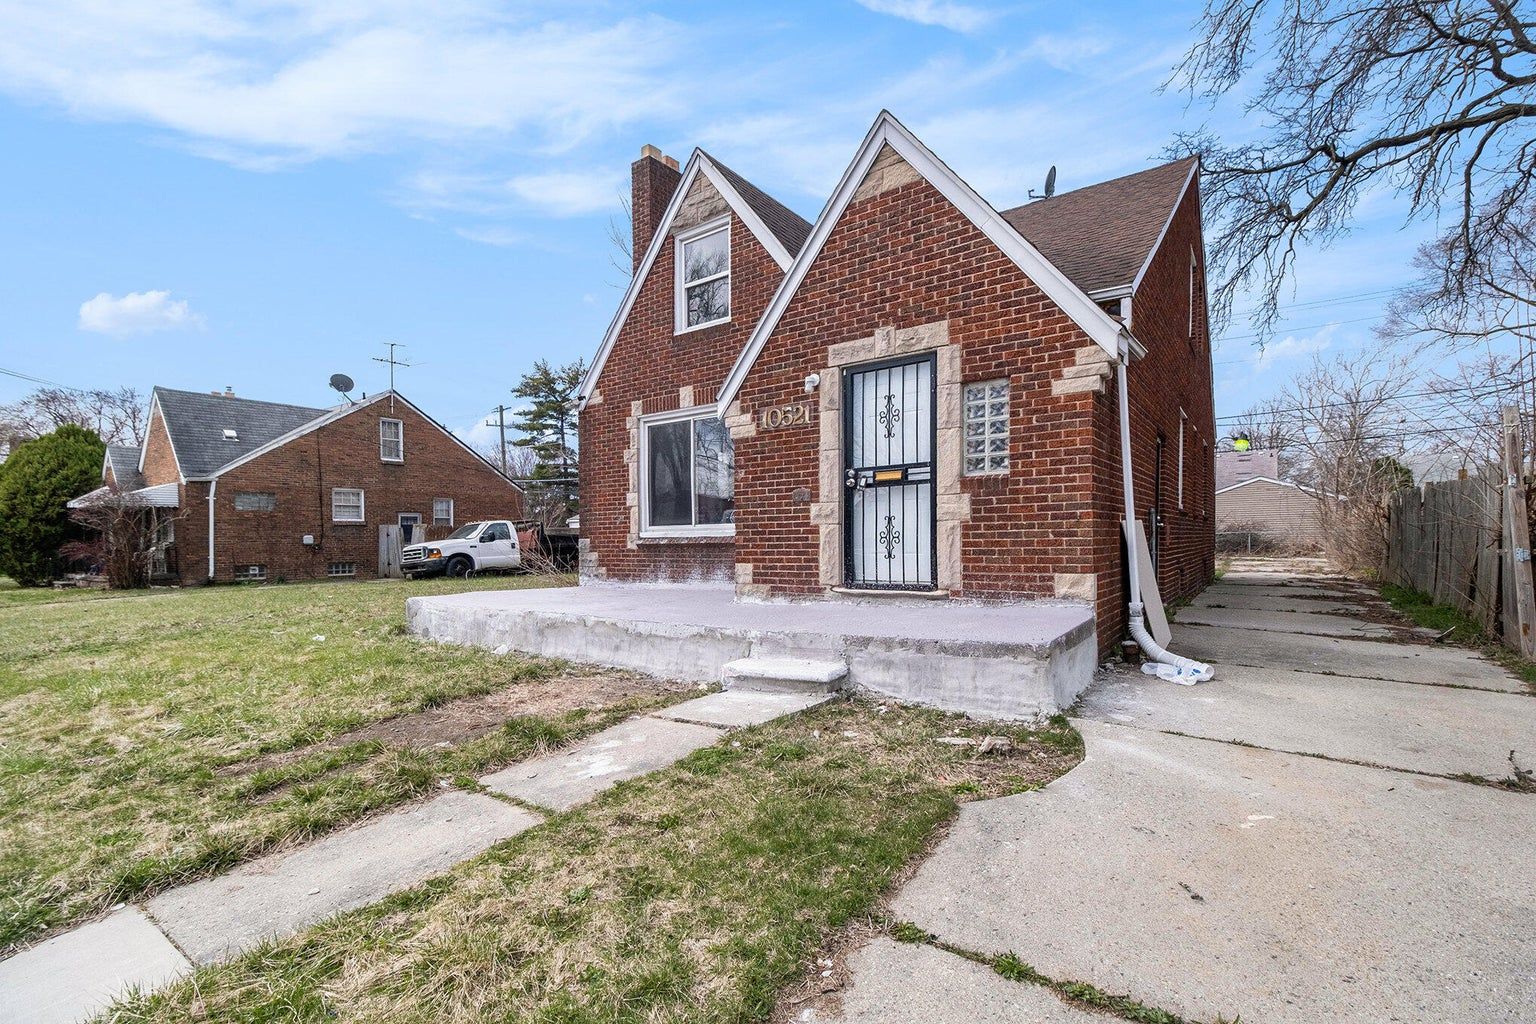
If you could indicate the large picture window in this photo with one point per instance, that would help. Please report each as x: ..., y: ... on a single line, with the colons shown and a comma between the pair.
x: 688, y: 476
x: 704, y: 276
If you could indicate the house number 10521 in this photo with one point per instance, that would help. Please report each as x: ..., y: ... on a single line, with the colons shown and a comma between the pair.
x: 785, y: 416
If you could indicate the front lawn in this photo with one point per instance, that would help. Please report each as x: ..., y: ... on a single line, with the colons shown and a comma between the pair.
x: 150, y: 738
x: 695, y: 894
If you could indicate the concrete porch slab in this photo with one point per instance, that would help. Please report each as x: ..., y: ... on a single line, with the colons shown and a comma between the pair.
x: 996, y: 660
x: 737, y: 709
x: 625, y: 751
x: 73, y: 976
x: 280, y: 894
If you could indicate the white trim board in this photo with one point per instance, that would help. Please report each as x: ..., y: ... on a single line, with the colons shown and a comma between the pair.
x: 1097, y: 324
x: 698, y: 163
x: 1152, y: 252
x: 1271, y: 480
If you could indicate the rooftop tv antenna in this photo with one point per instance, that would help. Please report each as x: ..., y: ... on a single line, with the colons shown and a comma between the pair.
x: 1050, y: 185
x: 342, y: 383
x: 393, y: 362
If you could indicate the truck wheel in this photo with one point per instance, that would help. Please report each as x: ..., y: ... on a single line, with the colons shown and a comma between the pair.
x: 458, y: 565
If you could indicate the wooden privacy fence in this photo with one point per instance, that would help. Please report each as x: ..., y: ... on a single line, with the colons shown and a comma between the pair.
x: 1466, y: 543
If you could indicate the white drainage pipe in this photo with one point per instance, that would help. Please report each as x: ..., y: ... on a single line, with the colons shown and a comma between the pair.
x: 1170, y: 666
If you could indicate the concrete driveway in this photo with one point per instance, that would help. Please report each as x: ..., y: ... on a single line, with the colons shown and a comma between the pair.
x: 1302, y: 839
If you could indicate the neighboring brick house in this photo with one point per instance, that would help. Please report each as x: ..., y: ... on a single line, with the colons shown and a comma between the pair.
x: 914, y: 394
x: 261, y: 490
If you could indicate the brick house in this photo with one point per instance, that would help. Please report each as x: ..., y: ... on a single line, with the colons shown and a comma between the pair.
x: 916, y: 394
x: 261, y: 490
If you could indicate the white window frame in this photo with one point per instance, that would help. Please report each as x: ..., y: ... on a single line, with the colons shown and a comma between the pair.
x: 680, y: 286
x: 986, y: 458
x: 1183, y: 419
x: 436, y: 519
x: 698, y: 412
x: 388, y: 458
x: 362, y: 504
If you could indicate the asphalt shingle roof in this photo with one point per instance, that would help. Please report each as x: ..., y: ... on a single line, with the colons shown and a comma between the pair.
x: 1100, y: 235
x: 787, y: 226
x: 124, y: 460
x: 196, y: 422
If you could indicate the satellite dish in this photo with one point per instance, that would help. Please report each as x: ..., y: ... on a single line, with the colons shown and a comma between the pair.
x: 1050, y: 185
x: 341, y: 382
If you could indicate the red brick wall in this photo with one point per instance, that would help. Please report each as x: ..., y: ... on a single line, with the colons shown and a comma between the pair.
x: 1176, y: 372
x: 649, y: 363
x: 905, y: 258
x: 302, y: 473
x: 159, y: 458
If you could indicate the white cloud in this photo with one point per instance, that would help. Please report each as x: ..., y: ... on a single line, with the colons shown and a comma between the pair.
x: 953, y: 16
x: 136, y: 313
x: 492, y: 234
x: 568, y: 193
x: 263, y: 85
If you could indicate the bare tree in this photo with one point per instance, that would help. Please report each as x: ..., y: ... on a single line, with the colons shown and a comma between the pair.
x: 118, y: 416
x: 1431, y: 99
x: 127, y: 538
x: 621, y: 251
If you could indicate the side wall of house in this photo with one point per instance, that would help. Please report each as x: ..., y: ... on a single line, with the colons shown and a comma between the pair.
x: 302, y: 473
x: 904, y: 271
x: 1173, y: 378
x: 653, y: 369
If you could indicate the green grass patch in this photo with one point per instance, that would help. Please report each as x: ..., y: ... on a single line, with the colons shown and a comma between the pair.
x: 1465, y: 631
x: 129, y: 729
x: 693, y: 894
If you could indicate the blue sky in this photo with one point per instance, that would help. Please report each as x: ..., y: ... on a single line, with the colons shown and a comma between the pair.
x: 199, y: 195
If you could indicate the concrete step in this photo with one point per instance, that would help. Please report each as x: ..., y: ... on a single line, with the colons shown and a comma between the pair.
x: 785, y: 675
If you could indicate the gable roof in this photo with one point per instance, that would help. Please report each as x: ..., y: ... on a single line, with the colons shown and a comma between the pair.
x: 1105, y: 330
x: 195, y: 422
x: 124, y: 462
x: 773, y: 224
x: 1102, y: 236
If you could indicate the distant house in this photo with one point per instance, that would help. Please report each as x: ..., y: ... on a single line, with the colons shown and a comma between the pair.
x: 248, y: 490
x: 1253, y: 505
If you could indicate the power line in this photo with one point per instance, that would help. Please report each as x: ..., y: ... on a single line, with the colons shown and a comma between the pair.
x: 1289, y: 330
x: 1339, y: 300
x: 1489, y: 389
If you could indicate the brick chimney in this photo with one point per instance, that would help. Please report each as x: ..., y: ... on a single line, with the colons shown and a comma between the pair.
x: 653, y: 179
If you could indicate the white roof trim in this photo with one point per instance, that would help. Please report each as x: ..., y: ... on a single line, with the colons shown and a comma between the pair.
x: 698, y: 163
x: 149, y: 424
x: 1152, y: 252
x: 886, y: 130
x: 1267, y: 480
x: 340, y: 412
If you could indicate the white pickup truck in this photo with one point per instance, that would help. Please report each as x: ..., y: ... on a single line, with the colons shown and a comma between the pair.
x: 472, y: 547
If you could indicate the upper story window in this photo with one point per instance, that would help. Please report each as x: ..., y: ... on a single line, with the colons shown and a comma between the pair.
x: 346, y: 505
x: 391, y: 440
x: 687, y: 476
x: 704, y: 275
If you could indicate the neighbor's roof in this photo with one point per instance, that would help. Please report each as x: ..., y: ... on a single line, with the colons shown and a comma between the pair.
x: 196, y: 422
x: 787, y: 226
x: 124, y: 460
x: 1101, y: 236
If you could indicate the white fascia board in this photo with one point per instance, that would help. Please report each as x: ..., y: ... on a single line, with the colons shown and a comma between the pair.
x: 1097, y: 324
x: 698, y: 163
x: 1152, y: 253
x: 1262, y: 479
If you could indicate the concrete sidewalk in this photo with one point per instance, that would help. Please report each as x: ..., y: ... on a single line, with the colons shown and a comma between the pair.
x: 77, y: 974
x: 1217, y: 855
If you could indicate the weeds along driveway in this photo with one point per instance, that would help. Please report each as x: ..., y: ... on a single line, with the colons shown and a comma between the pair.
x: 148, y: 739
x: 692, y: 894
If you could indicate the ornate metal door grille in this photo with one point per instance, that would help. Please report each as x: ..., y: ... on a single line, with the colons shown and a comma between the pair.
x: 888, y: 442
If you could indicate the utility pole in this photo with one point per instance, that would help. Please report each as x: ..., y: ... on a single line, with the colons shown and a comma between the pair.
x: 393, y: 362
x: 501, y: 422
x: 1517, y: 541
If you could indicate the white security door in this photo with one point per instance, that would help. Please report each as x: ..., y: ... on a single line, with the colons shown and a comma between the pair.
x: 888, y: 431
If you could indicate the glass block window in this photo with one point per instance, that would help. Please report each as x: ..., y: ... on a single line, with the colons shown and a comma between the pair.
x: 255, y: 501
x: 250, y: 572
x: 986, y: 427
x: 341, y: 569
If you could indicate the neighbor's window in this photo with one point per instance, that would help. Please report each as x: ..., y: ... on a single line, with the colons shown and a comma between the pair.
x: 250, y: 572
x: 442, y: 511
x: 704, y: 276
x: 255, y: 501
x: 341, y: 569
x: 688, y: 466
x: 346, y: 504
x: 986, y: 427
x: 392, y: 440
